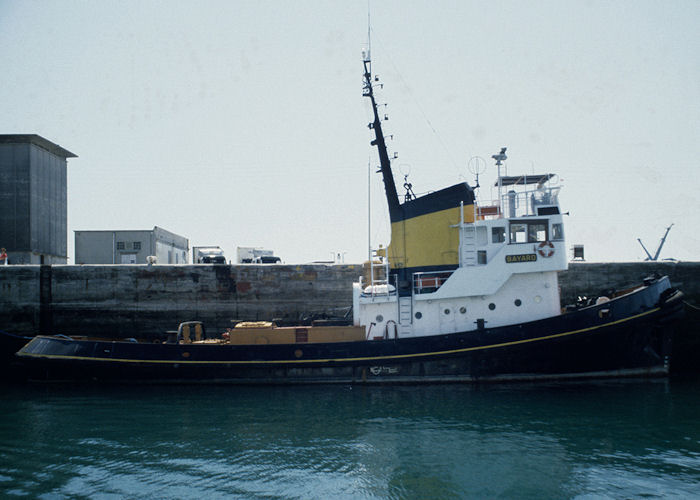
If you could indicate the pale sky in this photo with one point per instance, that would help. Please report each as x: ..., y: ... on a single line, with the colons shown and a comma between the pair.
x: 243, y: 123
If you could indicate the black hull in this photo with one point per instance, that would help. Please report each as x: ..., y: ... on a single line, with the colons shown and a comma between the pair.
x: 628, y: 336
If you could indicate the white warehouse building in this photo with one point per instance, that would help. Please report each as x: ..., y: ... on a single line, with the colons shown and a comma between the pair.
x: 130, y: 247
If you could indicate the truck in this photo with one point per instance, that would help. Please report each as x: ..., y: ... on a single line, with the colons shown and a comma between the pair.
x: 208, y: 255
x: 256, y: 255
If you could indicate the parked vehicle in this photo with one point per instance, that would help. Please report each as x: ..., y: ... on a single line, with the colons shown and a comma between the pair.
x: 208, y: 255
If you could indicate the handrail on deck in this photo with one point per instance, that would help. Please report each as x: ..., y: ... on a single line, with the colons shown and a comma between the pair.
x: 429, y: 282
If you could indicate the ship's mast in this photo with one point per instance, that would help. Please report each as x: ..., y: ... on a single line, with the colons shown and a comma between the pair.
x: 385, y: 164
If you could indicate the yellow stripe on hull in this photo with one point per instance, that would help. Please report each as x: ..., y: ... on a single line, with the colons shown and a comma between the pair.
x: 340, y: 360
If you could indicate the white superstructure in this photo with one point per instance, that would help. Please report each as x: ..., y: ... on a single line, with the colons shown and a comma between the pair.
x: 507, y: 273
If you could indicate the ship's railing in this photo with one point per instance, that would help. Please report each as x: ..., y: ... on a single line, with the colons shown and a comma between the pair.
x: 378, y: 288
x: 527, y: 202
x: 519, y: 203
x: 379, y: 281
x: 429, y: 282
x: 488, y: 211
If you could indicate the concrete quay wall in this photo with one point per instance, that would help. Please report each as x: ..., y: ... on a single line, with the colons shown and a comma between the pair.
x: 590, y: 279
x: 145, y: 301
x: 140, y: 300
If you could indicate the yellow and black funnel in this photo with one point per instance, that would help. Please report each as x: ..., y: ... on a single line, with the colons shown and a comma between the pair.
x: 423, y: 232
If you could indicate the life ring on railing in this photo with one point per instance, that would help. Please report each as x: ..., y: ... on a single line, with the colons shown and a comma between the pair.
x: 545, y: 249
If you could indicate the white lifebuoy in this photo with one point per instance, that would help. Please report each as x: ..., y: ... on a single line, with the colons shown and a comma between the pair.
x: 545, y: 249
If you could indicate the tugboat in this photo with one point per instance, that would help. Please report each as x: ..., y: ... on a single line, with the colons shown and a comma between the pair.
x: 464, y: 292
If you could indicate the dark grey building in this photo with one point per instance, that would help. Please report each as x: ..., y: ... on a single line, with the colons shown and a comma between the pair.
x: 130, y: 247
x: 33, y: 200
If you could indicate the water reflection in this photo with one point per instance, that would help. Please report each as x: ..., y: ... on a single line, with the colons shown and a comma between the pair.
x: 527, y: 441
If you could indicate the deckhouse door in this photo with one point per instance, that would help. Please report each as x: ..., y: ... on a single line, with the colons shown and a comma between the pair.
x: 447, y: 318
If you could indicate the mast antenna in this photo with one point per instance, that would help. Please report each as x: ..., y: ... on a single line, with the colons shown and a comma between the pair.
x: 500, y: 158
x: 380, y: 142
x: 369, y: 32
x: 476, y: 166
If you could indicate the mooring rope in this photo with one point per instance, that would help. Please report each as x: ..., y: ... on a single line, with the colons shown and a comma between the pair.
x: 691, y: 305
x: 13, y: 335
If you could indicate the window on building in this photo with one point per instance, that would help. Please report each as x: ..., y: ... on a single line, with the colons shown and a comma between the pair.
x: 137, y: 245
x: 498, y: 234
x: 120, y: 245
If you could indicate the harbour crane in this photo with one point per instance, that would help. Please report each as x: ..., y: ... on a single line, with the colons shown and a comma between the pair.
x: 658, y: 250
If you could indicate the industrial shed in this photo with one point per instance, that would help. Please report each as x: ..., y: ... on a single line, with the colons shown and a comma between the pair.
x: 130, y: 246
x: 33, y: 199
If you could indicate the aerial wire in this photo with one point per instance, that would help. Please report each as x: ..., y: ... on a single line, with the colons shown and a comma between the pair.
x: 425, y: 116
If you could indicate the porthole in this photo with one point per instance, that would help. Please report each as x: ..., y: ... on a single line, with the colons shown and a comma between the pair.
x: 518, y: 302
x: 463, y: 310
x: 419, y: 315
x: 447, y: 311
x: 380, y: 318
x: 538, y: 299
x: 492, y: 306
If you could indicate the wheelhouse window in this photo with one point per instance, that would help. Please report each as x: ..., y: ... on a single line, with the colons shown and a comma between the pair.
x: 528, y: 231
x: 537, y: 232
x: 498, y: 234
x: 518, y: 233
x: 557, y: 232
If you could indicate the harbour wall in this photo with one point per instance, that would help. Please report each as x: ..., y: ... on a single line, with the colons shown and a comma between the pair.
x: 593, y: 279
x: 145, y: 301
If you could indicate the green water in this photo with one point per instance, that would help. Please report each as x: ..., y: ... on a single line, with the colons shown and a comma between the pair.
x: 583, y: 440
